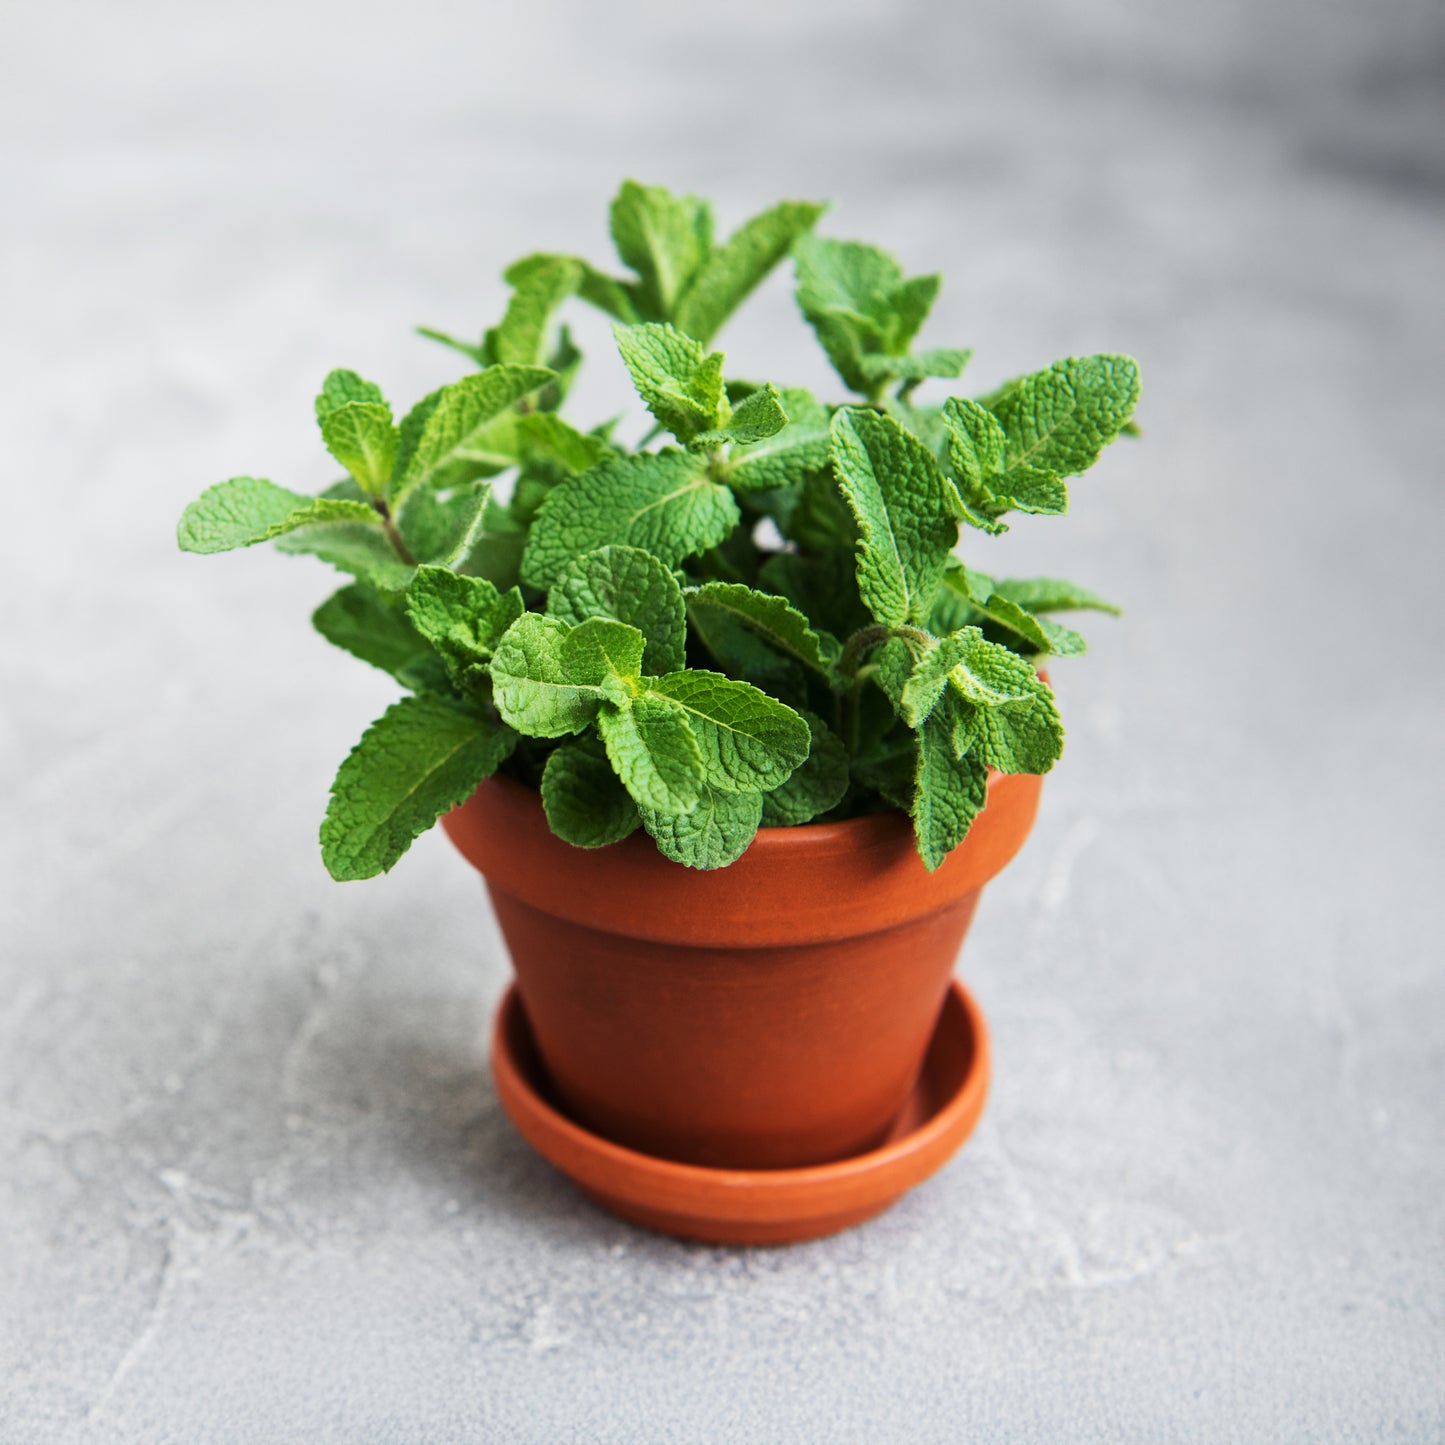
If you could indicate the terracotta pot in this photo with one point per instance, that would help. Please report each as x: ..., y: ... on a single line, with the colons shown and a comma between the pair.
x: 772, y: 1014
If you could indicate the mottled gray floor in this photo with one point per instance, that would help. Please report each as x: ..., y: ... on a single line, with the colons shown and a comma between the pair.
x: 254, y: 1185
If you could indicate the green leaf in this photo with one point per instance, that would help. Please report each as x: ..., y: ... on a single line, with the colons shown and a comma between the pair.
x: 988, y: 485
x: 540, y: 285
x: 816, y: 786
x: 452, y: 434
x: 530, y: 682
x: 444, y: 530
x: 1022, y: 737
x: 607, y: 293
x: 369, y: 626
x: 463, y: 618
x: 716, y: 831
x: 1051, y: 594
x: 421, y: 758
x: 454, y: 343
x: 734, y: 269
x: 949, y: 792
x: 654, y: 752
x: 866, y: 314
x: 1060, y: 419
x: 602, y: 652
x: 360, y: 548
x: 665, y: 239
x: 905, y: 517
x: 757, y: 416
x: 247, y: 510
x: 663, y: 502
x: 585, y: 801
x: 788, y: 456
x: 718, y: 607
x: 679, y: 382
x: 984, y: 602
x: 631, y: 586
x: 984, y: 673
x: 543, y: 436
x: 823, y: 588
x: 361, y: 437
x: 750, y: 742
x: 343, y: 387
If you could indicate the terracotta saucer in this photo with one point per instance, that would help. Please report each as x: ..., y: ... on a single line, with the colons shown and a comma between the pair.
x: 764, y: 1206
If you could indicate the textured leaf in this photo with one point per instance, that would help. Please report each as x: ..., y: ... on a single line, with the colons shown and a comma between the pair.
x: 463, y: 618
x: 1023, y: 737
x: 247, y: 510
x: 663, y: 502
x: 758, y: 415
x: 664, y: 238
x: 453, y: 431
x: 1062, y: 418
x: 342, y: 387
x: 364, y: 623
x: 421, y: 758
x: 1051, y: 594
x: 750, y: 742
x: 716, y: 831
x: 679, y: 382
x: 984, y: 602
x: 654, y: 752
x: 361, y: 437
x: 585, y: 801
x: 601, y: 651
x: 540, y: 285
x: 905, y: 518
x: 632, y: 586
x: 983, y: 673
x: 360, y: 548
x: 823, y: 588
x: 771, y: 619
x: 545, y: 437
x: 942, y: 361
x: 788, y: 456
x: 445, y: 530
x: 988, y: 485
x: 734, y: 269
x: 949, y: 792
x: 530, y: 684
x: 814, y: 787
x: 454, y: 343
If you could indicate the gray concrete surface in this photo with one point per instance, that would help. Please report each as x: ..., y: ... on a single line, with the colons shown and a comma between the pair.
x: 254, y: 1184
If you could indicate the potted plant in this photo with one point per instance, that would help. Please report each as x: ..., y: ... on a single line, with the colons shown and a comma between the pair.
x: 732, y: 733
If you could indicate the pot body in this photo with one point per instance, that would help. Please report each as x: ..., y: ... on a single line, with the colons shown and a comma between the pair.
x: 771, y: 1014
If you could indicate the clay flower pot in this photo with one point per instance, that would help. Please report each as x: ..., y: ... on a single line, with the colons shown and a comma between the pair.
x: 771, y: 1015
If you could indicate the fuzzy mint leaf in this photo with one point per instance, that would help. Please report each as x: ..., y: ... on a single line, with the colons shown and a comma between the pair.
x: 530, y: 682
x: 584, y: 799
x: 631, y: 586
x: 984, y: 673
x: 788, y: 456
x: 361, y: 437
x: 540, y: 284
x: 247, y: 510
x: 1060, y: 419
x: 814, y: 787
x: 1052, y: 594
x: 717, y: 609
x: 984, y: 602
x: 750, y: 742
x: 544, y: 438
x: 716, y: 831
x: 989, y: 484
x: 442, y: 530
x: 363, y: 622
x: 343, y: 387
x: 1018, y: 738
x: 906, y: 526
x: 663, y: 502
x: 734, y: 269
x: 654, y: 752
x: 679, y: 381
x: 463, y: 618
x: 757, y: 416
x: 358, y: 548
x: 949, y: 792
x: 421, y: 758
x: 453, y: 431
x: 665, y: 239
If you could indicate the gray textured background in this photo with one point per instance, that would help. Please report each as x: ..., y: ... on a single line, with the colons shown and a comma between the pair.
x: 254, y: 1184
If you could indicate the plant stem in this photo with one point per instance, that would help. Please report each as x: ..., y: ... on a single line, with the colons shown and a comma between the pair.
x: 389, y: 527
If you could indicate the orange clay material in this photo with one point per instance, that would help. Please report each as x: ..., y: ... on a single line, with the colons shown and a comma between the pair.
x: 770, y: 1015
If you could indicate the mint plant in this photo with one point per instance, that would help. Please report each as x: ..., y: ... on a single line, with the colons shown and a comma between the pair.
x: 610, y: 625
